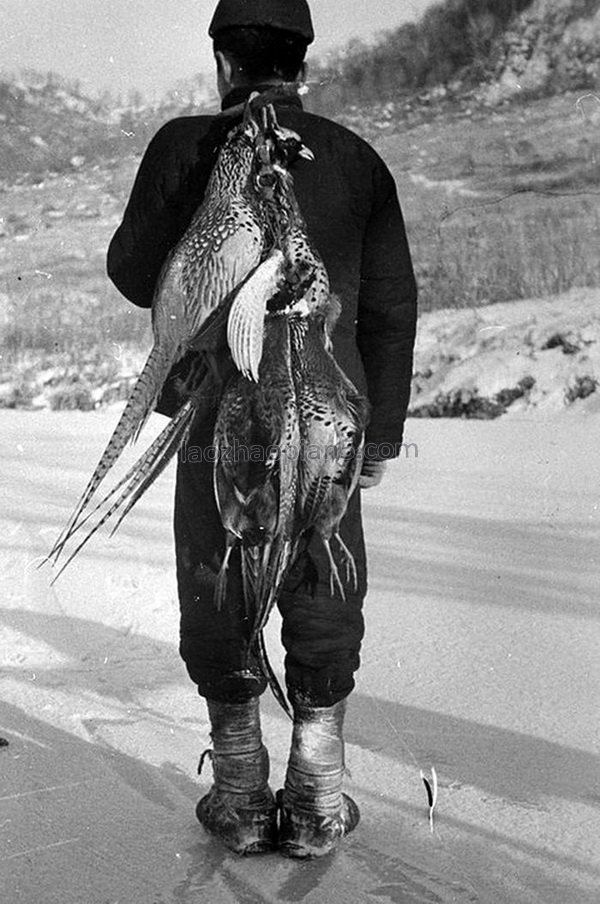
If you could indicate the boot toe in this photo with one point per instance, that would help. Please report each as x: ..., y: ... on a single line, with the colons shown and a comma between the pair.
x: 245, y: 827
x: 305, y: 836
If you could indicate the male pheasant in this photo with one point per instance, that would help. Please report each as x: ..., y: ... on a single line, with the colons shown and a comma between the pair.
x: 226, y: 254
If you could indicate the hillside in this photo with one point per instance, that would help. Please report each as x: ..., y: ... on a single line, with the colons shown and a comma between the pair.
x: 500, y: 200
x: 492, y: 217
x: 465, y: 54
x: 48, y: 125
x: 551, y: 46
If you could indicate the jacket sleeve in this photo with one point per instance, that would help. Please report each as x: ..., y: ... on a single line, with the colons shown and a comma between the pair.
x: 168, y: 187
x: 387, y: 318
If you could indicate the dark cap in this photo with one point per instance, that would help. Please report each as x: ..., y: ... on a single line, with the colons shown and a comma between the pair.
x: 288, y: 15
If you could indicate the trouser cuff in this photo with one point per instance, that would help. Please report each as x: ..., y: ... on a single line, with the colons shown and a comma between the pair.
x: 236, y: 687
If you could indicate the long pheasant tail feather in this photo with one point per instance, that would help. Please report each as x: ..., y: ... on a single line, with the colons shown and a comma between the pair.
x: 138, y: 470
x: 267, y: 670
x: 315, y: 495
x: 277, y: 554
x: 133, y: 418
x: 143, y: 397
x: 155, y: 460
x: 251, y: 576
x: 59, y: 546
x: 356, y: 465
x: 276, y: 561
x: 138, y: 479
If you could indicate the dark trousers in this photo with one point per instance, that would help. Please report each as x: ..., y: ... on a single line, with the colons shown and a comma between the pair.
x: 321, y: 633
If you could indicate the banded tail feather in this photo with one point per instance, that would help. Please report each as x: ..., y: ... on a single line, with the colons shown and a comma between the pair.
x: 133, y: 485
x: 272, y: 680
x: 134, y: 416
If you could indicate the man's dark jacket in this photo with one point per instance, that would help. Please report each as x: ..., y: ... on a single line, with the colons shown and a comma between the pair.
x: 349, y: 201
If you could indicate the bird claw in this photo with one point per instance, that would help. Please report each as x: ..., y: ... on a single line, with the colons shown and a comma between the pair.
x: 335, y: 582
x: 220, y: 588
x: 351, y: 572
x: 221, y: 583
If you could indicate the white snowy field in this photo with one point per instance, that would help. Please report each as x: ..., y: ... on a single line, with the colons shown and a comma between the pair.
x: 481, y: 659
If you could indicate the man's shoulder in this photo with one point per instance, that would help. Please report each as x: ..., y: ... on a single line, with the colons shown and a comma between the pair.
x: 340, y: 137
x: 184, y: 128
x: 181, y: 142
x: 333, y: 126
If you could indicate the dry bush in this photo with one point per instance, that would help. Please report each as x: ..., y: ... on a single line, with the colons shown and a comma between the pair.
x: 68, y: 323
x: 508, y: 251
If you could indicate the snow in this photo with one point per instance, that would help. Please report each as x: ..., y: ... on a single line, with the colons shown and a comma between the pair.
x: 481, y: 660
x: 534, y: 354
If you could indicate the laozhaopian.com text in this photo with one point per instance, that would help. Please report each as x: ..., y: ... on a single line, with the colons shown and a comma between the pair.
x: 241, y: 453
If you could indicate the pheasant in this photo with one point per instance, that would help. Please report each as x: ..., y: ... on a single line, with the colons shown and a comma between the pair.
x: 332, y: 418
x: 225, y: 257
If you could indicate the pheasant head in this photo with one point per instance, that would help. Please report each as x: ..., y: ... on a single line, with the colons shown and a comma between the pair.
x: 276, y: 148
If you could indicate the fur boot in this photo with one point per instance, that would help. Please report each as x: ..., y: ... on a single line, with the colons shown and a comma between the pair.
x: 315, y: 814
x: 240, y: 808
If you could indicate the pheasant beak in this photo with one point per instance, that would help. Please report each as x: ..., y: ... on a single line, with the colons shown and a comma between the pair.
x: 306, y: 153
x: 249, y: 124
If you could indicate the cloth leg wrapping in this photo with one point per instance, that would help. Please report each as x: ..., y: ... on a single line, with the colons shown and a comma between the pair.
x: 315, y: 814
x: 240, y: 808
x: 239, y: 758
x: 316, y: 766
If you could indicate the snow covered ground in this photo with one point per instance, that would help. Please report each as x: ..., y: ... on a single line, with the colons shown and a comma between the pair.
x: 481, y: 659
x: 532, y: 355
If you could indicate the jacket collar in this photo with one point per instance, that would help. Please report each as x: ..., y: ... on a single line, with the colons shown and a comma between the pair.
x: 240, y: 95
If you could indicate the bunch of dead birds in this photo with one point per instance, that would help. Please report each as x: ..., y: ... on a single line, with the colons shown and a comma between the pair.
x: 247, y: 294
